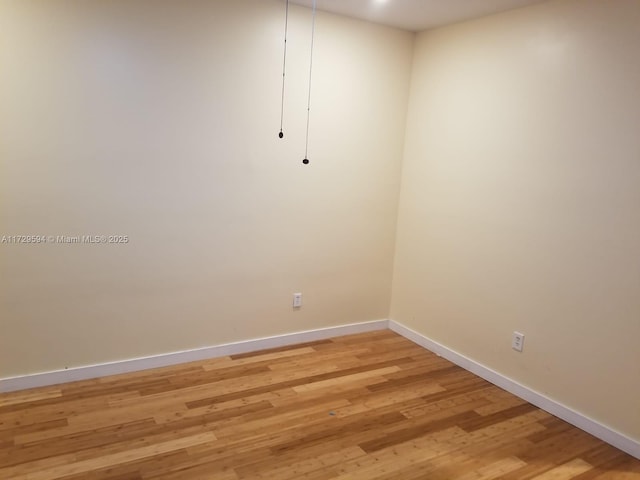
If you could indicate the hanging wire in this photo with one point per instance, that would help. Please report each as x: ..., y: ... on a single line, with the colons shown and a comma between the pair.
x: 284, y: 66
x: 313, y: 30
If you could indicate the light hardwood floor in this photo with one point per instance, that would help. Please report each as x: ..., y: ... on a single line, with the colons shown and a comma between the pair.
x: 365, y: 407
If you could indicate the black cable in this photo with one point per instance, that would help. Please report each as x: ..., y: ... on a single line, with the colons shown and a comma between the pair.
x: 284, y: 66
x: 313, y: 30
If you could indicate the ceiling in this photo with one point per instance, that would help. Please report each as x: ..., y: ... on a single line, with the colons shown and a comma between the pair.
x: 416, y: 15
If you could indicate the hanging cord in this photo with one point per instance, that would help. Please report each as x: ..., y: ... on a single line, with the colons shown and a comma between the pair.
x: 284, y: 66
x: 313, y: 30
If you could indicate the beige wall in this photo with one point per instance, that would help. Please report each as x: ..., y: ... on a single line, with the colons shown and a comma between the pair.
x: 158, y: 119
x: 520, y: 201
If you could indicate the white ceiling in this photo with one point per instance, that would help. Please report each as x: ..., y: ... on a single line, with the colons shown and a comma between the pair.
x: 416, y: 15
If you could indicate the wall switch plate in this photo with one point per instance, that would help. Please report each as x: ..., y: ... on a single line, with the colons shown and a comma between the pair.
x: 297, y: 300
x: 517, y: 343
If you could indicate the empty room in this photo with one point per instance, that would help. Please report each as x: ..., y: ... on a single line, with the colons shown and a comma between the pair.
x: 319, y: 239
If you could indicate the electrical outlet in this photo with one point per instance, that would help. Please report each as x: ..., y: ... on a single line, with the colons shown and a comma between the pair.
x: 517, y: 343
x: 297, y: 300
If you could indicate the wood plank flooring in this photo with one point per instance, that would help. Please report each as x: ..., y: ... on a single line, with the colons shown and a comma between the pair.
x: 360, y: 407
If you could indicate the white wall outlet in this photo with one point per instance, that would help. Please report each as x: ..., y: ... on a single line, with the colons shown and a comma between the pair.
x: 297, y: 300
x: 517, y: 343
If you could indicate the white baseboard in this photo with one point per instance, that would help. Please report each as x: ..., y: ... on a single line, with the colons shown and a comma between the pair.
x: 617, y: 439
x: 124, y: 366
x: 612, y: 437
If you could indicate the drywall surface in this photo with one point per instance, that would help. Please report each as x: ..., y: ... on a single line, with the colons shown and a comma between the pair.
x: 157, y: 120
x: 520, y: 200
